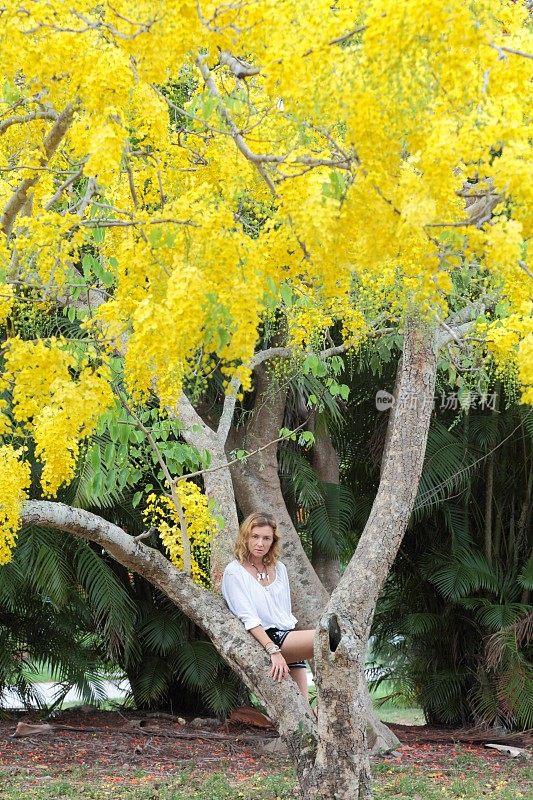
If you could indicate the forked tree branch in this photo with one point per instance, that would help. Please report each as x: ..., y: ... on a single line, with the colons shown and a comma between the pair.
x: 51, y: 143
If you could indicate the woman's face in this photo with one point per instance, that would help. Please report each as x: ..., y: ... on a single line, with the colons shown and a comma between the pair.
x: 260, y: 541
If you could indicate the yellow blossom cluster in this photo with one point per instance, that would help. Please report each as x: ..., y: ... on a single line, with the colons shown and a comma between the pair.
x: 510, y: 343
x: 72, y: 413
x: 161, y: 514
x: 525, y: 367
x: 14, y: 485
x: 309, y: 320
x: 58, y: 408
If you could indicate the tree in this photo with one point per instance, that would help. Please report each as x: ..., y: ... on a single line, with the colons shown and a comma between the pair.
x: 316, y: 189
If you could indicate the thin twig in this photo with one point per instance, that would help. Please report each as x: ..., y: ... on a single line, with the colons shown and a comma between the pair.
x: 248, y: 455
x: 61, y: 189
x: 170, y: 482
x: 144, y: 535
x: 96, y: 222
x: 501, y: 48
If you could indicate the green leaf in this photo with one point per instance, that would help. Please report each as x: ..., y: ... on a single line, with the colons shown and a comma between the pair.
x: 124, y: 478
x: 94, y: 457
x: 525, y: 579
x: 375, y: 364
x: 136, y: 499
x: 344, y: 391
x: 286, y: 295
x: 87, y: 265
x: 123, y: 433
x: 196, y: 663
x: 109, y: 455
x: 114, y: 430
x: 209, y: 105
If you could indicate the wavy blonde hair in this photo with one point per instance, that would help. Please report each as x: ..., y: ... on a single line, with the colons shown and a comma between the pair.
x: 258, y: 520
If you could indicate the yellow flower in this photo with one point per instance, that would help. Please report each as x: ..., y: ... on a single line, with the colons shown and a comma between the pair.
x: 14, y: 484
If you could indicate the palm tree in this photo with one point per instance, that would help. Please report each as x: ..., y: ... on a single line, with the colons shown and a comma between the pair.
x: 459, y: 590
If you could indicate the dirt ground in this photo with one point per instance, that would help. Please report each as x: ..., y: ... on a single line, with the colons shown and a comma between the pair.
x: 122, y: 742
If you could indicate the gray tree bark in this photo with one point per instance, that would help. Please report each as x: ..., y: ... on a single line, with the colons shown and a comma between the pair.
x: 326, y: 465
x: 344, y: 628
x: 206, y: 609
x: 217, y: 484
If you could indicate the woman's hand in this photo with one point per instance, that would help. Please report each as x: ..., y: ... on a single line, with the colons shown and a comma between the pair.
x: 280, y: 670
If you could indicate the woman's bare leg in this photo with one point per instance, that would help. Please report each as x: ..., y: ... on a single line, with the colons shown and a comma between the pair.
x: 299, y: 674
x: 298, y: 646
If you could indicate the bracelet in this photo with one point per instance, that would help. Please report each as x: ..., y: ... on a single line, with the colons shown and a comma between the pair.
x: 272, y: 648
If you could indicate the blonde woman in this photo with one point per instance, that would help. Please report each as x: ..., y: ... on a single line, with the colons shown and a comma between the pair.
x: 256, y: 588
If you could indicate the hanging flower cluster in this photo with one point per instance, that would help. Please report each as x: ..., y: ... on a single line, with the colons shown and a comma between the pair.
x: 160, y: 513
x: 14, y: 485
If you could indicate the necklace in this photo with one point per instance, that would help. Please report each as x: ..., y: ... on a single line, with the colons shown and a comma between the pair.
x: 261, y: 576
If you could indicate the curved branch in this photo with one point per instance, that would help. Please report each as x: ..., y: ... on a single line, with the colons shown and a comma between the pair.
x: 204, y: 608
x: 51, y: 143
x: 23, y: 118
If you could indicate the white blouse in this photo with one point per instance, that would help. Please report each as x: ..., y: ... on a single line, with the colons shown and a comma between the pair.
x: 268, y: 606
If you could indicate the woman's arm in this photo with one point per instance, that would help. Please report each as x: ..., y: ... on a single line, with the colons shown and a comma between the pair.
x: 279, y: 670
x: 238, y: 598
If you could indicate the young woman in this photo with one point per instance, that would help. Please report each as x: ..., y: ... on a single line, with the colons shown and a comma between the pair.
x: 256, y: 588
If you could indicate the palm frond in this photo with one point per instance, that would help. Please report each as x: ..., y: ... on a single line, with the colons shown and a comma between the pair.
x: 329, y: 522
x: 496, y: 616
x: 421, y: 623
x: 112, y: 606
x: 457, y: 522
x: 525, y: 579
x: 443, y: 694
x: 300, y: 477
x: 151, y: 681
x: 99, y: 483
x: 464, y: 573
x: 196, y: 663
x: 221, y: 695
x: 162, y: 631
x: 49, y: 569
x: 448, y: 465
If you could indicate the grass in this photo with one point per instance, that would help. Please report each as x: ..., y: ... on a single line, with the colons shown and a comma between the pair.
x: 464, y: 777
x: 395, y: 709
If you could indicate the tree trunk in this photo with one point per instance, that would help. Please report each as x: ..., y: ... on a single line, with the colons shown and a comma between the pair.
x: 257, y: 486
x: 326, y: 465
x: 341, y: 769
x: 336, y: 765
x: 256, y: 479
x: 217, y: 484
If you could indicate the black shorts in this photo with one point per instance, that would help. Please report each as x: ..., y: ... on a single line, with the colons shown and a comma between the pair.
x: 278, y: 637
